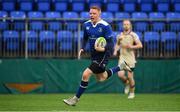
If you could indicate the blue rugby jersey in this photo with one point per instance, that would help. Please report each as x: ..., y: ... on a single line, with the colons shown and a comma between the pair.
x: 91, y: 33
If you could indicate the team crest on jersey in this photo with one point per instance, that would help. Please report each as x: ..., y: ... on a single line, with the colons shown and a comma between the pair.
x: 100, y: 29
x: 87, y: 28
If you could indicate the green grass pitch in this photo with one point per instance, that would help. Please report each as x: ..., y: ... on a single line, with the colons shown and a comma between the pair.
x: 90, y: 102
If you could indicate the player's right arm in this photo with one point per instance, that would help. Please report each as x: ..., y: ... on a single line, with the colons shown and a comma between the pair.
x: 117, y: 45
x: 85, y: 38
x: 79, y: 54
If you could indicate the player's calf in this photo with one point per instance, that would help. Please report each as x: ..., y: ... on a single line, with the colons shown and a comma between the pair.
x: 127, y: 88
x: 131, y: 92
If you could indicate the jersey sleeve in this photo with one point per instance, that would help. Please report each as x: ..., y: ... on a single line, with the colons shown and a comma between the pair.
x: 119, y: 38
x: 109, y: 38
x: 108, y: 32
x: 85, y: 37
x: 136, y: 37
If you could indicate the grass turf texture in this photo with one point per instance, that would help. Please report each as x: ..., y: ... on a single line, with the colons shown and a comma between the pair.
x: 90, y: 102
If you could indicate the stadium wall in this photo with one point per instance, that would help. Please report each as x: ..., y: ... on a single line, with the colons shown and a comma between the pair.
x: 64, y: 75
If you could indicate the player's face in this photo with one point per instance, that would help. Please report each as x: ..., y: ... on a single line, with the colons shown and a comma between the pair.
x: 126, y: 25
x: 94, y: 15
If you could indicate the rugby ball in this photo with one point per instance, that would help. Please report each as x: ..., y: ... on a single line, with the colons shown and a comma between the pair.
x: 101, y: 41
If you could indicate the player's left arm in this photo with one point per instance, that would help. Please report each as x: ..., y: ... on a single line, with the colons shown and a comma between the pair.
x: 85, y: 38
x: 137, y: 43
x: 109, y: 39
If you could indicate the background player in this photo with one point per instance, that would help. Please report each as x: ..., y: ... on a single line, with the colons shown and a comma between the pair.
x: 127, y: 42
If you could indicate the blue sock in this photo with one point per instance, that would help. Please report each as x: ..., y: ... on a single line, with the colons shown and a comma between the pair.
x: 112, y: 71
x: 81, y: 89
x: 115, y: 69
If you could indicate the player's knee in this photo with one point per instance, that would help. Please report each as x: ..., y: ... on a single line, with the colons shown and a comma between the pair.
x: 130, y: 77
x: 132, y: 85
x: 101, y: 79
x: 85, y: 77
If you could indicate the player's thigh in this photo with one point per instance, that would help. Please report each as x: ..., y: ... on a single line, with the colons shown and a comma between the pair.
x: 121, y: 73
x: 101, y: 76
x: 86, y: 74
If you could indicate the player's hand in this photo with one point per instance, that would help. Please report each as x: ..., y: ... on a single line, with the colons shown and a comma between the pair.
x: 79, y: 54
x: 128, y: 46
x: 99, y: 48
x: 115, y: 53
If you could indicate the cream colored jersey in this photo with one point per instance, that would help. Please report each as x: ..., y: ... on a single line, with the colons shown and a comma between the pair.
x: 127, y: 54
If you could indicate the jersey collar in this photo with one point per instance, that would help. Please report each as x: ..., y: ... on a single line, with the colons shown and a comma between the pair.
x: 94, y: 25
x: 126, y: 33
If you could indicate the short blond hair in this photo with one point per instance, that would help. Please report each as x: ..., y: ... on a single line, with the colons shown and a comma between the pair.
x: 96, y: 7
x: 128, y: 21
